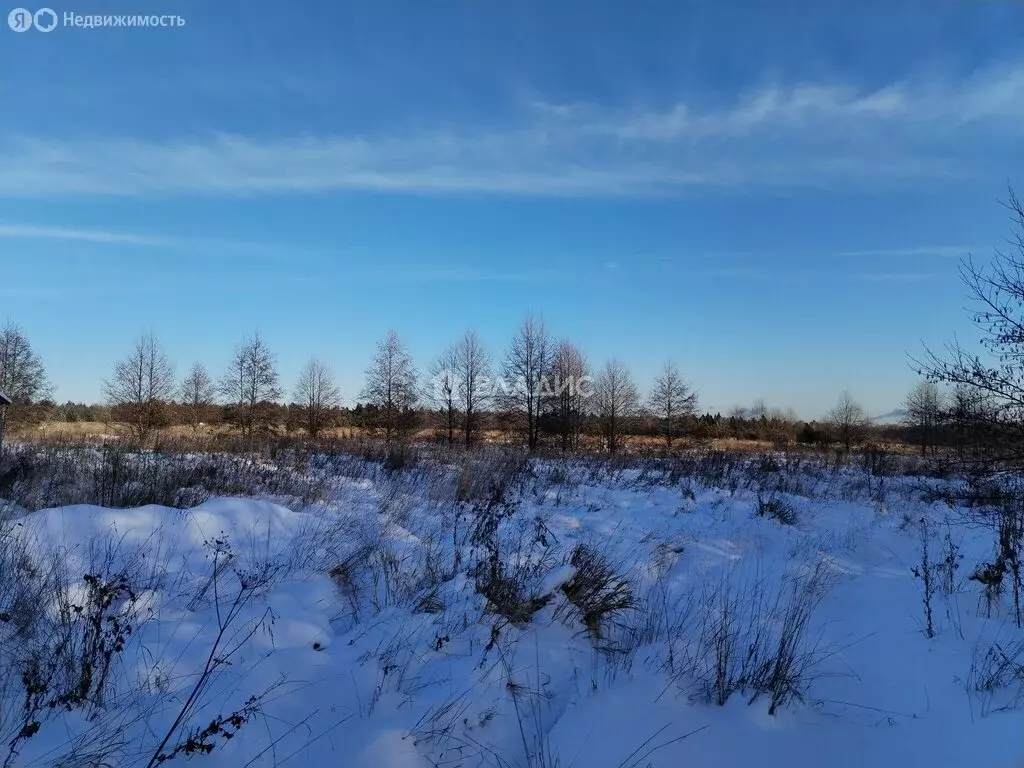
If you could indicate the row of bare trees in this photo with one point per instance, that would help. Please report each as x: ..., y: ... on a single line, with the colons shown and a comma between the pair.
x: 541, y: 385
x: 933, y: 418
x: 547, y: 389
x: 143, y: 383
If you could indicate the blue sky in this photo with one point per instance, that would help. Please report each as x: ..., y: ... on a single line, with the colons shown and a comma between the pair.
x: 775, y: 195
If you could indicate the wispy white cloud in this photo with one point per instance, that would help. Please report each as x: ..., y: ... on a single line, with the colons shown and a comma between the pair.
x: 444, y: 273
x: 894, y: 277
x: 804, y: 276
x: 941, y: 251
x: 420, y: 273
x: 993, y: 95
x: 85, y: 235
x: 209, y: 245
x: 801, y: 135
x: 454, y: 273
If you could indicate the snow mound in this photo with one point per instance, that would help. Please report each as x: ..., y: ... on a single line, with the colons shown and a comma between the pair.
x: 388, y: 627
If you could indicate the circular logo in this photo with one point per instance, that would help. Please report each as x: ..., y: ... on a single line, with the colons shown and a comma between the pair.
x: 45, y: 20
x: 20, y: 20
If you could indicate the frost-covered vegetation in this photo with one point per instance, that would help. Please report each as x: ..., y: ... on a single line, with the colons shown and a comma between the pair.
x: 427, y: 607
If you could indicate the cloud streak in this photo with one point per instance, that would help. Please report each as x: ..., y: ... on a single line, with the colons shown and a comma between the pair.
x: 83, y: 235
x: 991, y: 96
x: 420, y: 273
x: 812, y: 276
x: 805, y: 135
x: 940, y: 251
x: 214, y: 246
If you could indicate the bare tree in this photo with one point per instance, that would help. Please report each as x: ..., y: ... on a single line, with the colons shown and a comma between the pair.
x: 391, y: 387
x: 22, y: 375
x: 526, y: 364
x: 972, y: 419
x: 197, y: 395
x: 569, y: 381
x: 925, y: 406
x: 779, y: 426
x: 141, y: 387
x: 988, y: 407
x: 670, y: 399
x: 758, y: 411
x: 738, y: 414
x: 849, y: 421
x: 442, y: 391
x: 616, y: 400
x: 997, y: 380
x: 317, y: 395
x: 472, y: 376
x: 250, y: 386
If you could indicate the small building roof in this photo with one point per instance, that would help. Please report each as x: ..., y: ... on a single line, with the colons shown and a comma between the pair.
x: 4, y: 399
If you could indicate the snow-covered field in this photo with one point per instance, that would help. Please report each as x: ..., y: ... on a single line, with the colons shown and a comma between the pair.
x: 503, y: 613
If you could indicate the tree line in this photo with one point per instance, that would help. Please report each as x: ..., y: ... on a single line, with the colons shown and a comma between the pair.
x: 542, y: 391
x: 545, y: 391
